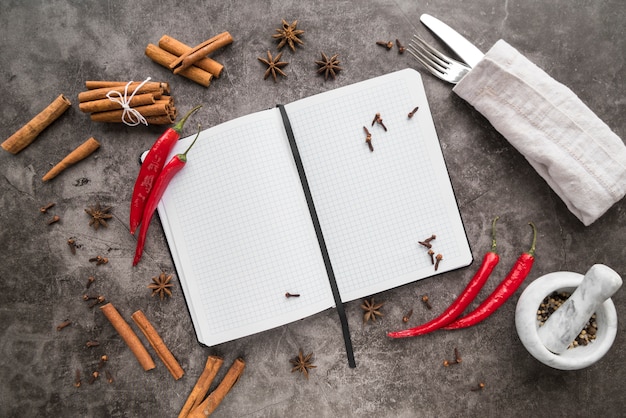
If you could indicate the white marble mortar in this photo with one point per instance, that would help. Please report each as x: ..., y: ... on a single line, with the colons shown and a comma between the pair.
x: 527, y: 324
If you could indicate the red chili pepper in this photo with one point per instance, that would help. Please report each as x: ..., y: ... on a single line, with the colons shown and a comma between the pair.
x: 505, y: 289
x: 169, y: 171
x: 463, y: 300
x: 151, y: 167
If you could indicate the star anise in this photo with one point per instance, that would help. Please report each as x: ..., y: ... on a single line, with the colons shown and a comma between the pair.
x: 302, y: 363
x: 273, y: 65
x: 288, y: 35
x: 161, y: 285
x: 328, y: 66
x: 99, y: 215
x: 372, y: 310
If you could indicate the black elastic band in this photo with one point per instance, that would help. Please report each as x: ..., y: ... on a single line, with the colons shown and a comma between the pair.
x: 320, y: 237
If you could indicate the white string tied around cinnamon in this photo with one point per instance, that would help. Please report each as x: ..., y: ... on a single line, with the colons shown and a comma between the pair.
x: 133, y: 115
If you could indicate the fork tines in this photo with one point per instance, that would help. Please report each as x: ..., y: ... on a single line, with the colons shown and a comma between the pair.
x: 427, y: 55
x: 436, y: 62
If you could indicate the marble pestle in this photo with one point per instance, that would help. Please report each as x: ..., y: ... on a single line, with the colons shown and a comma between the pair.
x: 562, y: 327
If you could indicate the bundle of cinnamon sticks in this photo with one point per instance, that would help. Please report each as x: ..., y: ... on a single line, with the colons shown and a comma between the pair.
x: 151, y: 100
x: 190, y: 62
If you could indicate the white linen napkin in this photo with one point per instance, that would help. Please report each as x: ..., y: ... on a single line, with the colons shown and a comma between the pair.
x: 570, y: 147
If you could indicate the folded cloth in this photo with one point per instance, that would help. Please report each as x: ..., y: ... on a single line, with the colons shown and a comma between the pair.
x: 570, y: 147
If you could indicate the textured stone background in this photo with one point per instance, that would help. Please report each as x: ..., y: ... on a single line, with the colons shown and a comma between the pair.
x: 52, y: 47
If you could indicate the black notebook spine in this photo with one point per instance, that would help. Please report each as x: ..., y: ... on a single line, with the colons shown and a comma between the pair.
x: 320, y: 237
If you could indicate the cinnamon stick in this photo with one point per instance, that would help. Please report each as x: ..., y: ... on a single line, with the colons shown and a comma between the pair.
x: 212, y: 401
x: 101, y: 93
x: 168, y: 100
x: 156, y: 109
x: 161, y: 119
x: 29, y: 132
x: 201, y: 387
x: 103, y: 105
x: 187, y: 59
x: 178, y: 48
x: 164, y: 58
x: 129, y: 336
x: 80, y: 153
x: 157, y: 343
x: 99, y: 84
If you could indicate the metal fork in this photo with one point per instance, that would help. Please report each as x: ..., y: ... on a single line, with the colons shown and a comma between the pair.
x: 437, y: 63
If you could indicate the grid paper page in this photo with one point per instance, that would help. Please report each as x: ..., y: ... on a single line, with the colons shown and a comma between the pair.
x: 374, y: 207
x: 240, y: 232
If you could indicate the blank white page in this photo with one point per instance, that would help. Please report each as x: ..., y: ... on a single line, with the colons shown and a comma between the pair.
x: 374, y: 207
x: 240, y: 233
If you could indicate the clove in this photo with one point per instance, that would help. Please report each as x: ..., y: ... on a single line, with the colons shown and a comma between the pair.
x: 447, y: 363
x: 427, y: 302
x: 457, y: 356
x: 387, y: 45
x: 432, y: 237
x: 438, y: 257
x: 55, y: 219
x: 93, y: 377
x: 77, y: 381
x: 480, y: 387
x: 457, y: 359
x: 426, y: 243
x: 97, y: 301
x: 90, y: 281
x: 401, y: 47
x: 379, y: 120
x: 64, y: 324
x: 44, y: 209
x: 99, y: 260
x: 368, y: 139
x: 92, y: 343
x: 406, y: 317
x: 102, y: 362
x: 71, y: 242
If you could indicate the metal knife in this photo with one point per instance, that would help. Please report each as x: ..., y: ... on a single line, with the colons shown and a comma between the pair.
x: 461, y: 46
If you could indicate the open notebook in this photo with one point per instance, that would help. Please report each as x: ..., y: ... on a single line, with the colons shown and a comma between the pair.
x: 241, y: 232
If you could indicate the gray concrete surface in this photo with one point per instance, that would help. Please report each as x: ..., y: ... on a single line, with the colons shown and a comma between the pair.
x: 52, y: 47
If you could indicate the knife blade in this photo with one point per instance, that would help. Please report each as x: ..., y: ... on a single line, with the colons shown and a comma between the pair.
x: 461, y: 46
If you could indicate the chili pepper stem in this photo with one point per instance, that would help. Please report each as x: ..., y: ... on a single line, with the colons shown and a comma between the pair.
x: 183, y: 156
x: 179, y: 126
x: 534, y: 243
x: 493, y: 234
